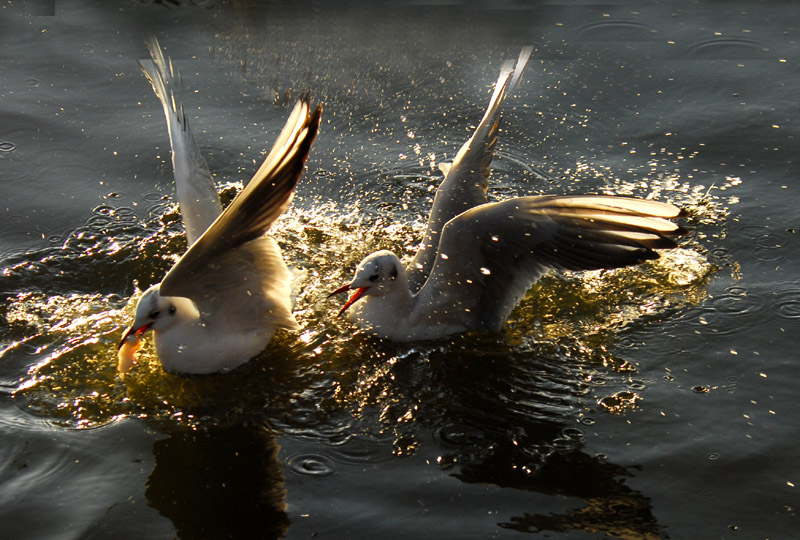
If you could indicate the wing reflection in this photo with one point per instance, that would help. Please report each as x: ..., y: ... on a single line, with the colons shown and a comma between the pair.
x: 507, y: 418
x: 606, y: 504
x: 517, y: 440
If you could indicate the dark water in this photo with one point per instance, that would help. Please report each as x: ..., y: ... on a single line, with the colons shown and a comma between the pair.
x: 656, y: 402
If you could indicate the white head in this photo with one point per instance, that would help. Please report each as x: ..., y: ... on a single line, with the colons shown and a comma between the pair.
x: 157, y: 313
x: 376, y: 275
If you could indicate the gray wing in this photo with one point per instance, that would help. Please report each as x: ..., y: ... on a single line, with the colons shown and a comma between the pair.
x: 248, y: 287
x: 198, y: 200
x: 467, y: 178
x: 489, y: 256
x: 254, y: 210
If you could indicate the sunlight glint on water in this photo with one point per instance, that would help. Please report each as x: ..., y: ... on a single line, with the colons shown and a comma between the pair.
x: 72, y: 378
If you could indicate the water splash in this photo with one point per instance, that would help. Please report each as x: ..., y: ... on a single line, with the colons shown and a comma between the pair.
x: 559, y: 343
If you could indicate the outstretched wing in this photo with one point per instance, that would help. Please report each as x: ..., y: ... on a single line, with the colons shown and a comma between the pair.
x: 467, y: 178
x: 254, y: 210
x: 198, y: 200
x: 489, y: 256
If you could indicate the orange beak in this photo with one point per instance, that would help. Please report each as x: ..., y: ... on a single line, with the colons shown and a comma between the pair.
x: 356, y: 295
x: 137, y: 332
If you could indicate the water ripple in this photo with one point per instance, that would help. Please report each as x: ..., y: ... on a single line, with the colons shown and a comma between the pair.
x: 766, y: 244
x: 671, y: 346
x: 360, y: 451
x: 23, y: 171
x: 724, y: 314
x: 7, y: 146
x: 12, y: 420
x: 786, y: 305
x: 616, y: 30
x: 311, y: 465
x: 457, y: 435
x: 727, y: 48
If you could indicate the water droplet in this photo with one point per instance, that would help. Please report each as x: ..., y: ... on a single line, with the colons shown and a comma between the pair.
x: 619, y: 402
x: 485, y: 271
x: 449, y: 460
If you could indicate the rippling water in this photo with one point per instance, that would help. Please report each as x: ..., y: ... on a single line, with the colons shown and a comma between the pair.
x: 651, y: 402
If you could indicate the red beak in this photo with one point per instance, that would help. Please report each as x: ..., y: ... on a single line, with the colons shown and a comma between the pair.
x: 358, y: 294
x: 136, y: 332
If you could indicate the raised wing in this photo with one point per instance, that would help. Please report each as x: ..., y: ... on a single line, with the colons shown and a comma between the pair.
x: 197, y: 197
x: 467, y: 178
x: 259, y: 204
x: 489, y: 256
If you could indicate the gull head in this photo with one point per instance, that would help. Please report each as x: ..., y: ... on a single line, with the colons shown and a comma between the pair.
x: 376, y: 275
x: 153, y: 312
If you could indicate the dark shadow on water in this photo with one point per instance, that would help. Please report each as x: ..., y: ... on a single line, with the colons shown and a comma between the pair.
x: 505, y: 417
x: 608, y: 505
x: 220, y: 482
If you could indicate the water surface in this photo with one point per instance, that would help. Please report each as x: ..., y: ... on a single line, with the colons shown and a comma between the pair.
x: 653, y: 402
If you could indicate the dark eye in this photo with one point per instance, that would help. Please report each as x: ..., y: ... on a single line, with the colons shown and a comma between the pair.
x: 374, y: 277
x: 172, y: 310
x: 154, y: 314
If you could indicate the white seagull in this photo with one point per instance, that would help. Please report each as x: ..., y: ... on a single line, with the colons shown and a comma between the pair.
x: 478, y: 259
x: 221, y: 303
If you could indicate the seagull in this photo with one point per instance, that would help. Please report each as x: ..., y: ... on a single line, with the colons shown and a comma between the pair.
x: 479, y: 258
x: 222, y: 302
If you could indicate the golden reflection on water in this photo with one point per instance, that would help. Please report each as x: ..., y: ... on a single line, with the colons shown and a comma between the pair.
x: 71, y: 339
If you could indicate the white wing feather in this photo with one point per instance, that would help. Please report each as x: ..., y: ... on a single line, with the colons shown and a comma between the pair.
x: 197, y: 197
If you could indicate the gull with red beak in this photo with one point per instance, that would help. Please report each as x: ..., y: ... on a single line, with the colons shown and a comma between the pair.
x: 222, y: 302
x: 478, y: 259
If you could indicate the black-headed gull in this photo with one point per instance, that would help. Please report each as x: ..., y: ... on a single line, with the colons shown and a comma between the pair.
x: 221, y: 303
x: 478, y: 259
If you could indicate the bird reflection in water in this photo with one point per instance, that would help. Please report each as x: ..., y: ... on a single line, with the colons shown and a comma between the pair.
x: 606, y: 504
x: 506, y: 418
x: 220, y: 482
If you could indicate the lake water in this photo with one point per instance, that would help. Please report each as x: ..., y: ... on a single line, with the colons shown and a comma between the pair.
x: 654, y: 402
